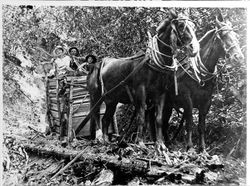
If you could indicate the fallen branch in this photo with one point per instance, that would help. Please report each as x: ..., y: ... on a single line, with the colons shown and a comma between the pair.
x: 39, y: 133
x: 70, y: 163
x: 132, y: 166
x: 151, y: 161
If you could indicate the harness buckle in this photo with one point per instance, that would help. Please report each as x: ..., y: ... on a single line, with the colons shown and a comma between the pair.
x: 202, y: 83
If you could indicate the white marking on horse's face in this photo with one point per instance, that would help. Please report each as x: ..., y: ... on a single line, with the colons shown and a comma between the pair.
x: 193, y: 47
x: 231, y: 44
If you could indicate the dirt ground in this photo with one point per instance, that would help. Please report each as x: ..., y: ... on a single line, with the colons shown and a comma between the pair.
x: 34, y: 159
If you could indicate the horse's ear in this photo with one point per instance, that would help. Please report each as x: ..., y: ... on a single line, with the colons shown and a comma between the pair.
x: 217, y: 22
x: 220, y: 16
x: 171, y: 14
x: 162, y: 26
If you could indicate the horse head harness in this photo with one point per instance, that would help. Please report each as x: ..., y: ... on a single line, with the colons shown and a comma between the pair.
x: 155, y: 53
x: 154, y: 49
x: 202, y: 68
x: 227, y: 50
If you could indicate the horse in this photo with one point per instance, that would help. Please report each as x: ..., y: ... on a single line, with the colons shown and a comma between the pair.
x: 196, y: 83
x: 134, y: 79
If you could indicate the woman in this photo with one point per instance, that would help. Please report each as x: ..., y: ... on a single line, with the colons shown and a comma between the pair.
x: 89, y: 60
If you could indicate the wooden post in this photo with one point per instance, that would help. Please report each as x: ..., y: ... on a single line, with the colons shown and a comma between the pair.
x: 48, y: 106
x: 59, y: 109
x: 70, y: 117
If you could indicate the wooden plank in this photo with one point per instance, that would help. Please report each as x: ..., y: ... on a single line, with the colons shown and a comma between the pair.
x: 58, y: 100
x: 53, y: 106
x: 54, y: 114
x: 81, y: 97
x: 81, y: 108
x: 77, y: 78
x: 48, y: 113
x: 52, y: 87
x: 70, y: 133
x: 52, y: 91
x: 84, y: 110
x: 79, y: 101
x: 79, y: 89
x: 80, y: 114
x: 52, y: 81
x: 53, y: 100
x: 80, y: 94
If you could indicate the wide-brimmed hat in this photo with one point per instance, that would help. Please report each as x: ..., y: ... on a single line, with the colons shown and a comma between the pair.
x: 78, y: 53
x: 59, y: 47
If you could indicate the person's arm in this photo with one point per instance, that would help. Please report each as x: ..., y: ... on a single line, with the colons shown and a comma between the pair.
x: 82, y: 67
x: 53, y: 69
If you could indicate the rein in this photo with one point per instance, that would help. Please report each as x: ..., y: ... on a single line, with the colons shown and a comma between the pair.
x: 200, y: 70
x: 158, y: 63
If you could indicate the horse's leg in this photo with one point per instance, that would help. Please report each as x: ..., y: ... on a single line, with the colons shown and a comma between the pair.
x: 140, y: 103
x: 95, y: 120
x: 159, y: 121
x: 150, y: 120
x: 107, y: 119
x: 179, y: 128
x: 115, y: 131
x: 167, y: 112
x: 188, y: 114
x: 202, y: 125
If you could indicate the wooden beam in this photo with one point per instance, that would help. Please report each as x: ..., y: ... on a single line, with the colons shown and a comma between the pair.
x: 70, y: 127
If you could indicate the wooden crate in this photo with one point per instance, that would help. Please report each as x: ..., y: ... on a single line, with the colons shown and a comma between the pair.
x: 77, y: 109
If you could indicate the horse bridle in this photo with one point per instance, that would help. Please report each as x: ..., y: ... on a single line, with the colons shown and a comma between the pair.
x: 177, y: 32
x: 227, y: 53
x: 154, y: 47
x: 203, y: 68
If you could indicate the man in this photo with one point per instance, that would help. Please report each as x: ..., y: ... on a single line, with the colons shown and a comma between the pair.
x: 61, y: 63
x: 74, y: 54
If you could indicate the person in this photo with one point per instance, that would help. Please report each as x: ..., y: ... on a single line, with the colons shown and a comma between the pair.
x: 89, y: 60
x: 61, y: 63
x: 75, y: 57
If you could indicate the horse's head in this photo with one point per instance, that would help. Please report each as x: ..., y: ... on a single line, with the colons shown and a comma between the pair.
x: 229, y: 41
x: 181, y: 32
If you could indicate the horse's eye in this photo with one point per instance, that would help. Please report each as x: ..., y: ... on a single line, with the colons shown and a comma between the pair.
x: 227, y: 55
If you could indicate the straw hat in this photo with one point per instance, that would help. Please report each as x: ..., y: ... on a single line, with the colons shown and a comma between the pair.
x: 59, y: 47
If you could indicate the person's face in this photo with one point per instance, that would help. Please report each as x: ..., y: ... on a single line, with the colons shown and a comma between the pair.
x: 90, y: 60
x: 73, y: 52
x: 59, y: 51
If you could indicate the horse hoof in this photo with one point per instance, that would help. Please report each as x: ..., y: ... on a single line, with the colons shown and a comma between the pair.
x: 114, y: 137
x: 98, y: 134
x: 162, y: 150
x: 105, y: 139
x: 160, y: 146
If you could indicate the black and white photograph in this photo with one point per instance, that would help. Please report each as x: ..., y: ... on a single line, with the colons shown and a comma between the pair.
x: 124, y: 93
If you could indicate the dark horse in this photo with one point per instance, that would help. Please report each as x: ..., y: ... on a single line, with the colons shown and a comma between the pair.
x: 196, y: 82
x: 133, y: 79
